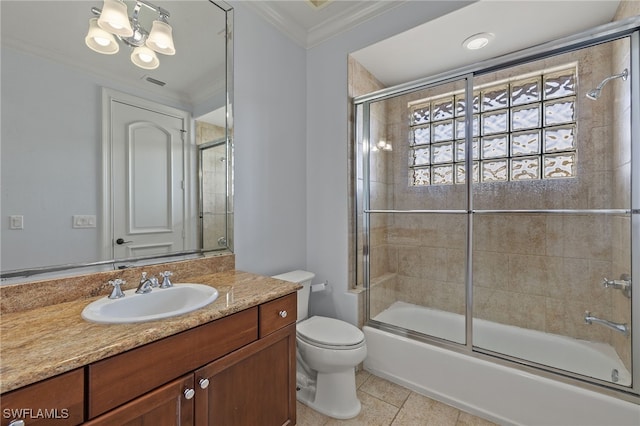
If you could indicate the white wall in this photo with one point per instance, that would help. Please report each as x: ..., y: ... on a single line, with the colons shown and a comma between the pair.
x: 327, y: 138
x: 270, y: 151
x: 290, y: 116
x: 48, y: 141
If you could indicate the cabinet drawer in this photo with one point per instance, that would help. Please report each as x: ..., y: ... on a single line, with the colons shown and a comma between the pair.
x: 121, y: 378
x: 58, y: 400
x: 278, y: 313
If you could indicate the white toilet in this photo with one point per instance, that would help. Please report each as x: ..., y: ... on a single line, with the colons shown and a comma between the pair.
x: 328, y: 351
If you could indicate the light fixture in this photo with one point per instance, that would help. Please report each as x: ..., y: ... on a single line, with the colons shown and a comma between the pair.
x: 160, y: 38
x: 382, y: 146
x: 477, y: 41
x: 113, y: 22
x: 100, y: 40
x: 145, y: 58
x: 114, y: 18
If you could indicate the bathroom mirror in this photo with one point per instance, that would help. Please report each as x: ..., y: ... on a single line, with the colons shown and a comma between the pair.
x: 59, y: 177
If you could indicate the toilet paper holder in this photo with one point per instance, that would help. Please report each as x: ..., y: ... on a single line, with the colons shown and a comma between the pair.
x: 319, y: 287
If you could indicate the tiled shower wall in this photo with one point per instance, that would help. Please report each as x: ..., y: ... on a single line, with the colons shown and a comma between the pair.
x: 535, y: 271
x: 213, y: 185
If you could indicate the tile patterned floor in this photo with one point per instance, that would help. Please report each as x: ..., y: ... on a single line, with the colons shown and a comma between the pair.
x: 387, y: 404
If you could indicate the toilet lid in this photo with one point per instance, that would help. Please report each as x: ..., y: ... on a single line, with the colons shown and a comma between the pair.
x: 329, y: 331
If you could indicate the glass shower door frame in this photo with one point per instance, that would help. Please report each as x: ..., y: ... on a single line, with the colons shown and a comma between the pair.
x: 605, y: 33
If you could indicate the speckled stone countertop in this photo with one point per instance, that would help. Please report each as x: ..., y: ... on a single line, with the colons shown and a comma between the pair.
x: 46, y: 341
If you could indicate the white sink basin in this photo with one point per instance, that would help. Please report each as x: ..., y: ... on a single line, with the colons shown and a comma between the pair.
x: 159, y: 303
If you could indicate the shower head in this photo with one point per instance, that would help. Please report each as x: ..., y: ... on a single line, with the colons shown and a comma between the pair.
x: 595, y: 93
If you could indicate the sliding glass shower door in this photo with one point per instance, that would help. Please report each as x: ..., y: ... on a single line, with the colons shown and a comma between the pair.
x: 416, y: 208
x: 496, y: 208
x: 552, y: 213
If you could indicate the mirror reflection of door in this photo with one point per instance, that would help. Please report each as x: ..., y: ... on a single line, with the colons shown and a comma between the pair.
x: 213, y: 194
x: 148, y: 181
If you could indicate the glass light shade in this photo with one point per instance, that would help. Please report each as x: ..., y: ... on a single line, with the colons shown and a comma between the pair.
x: 145, y: 58
x: 100, y: 40
x: 114, y: 18
x: 160, y: 38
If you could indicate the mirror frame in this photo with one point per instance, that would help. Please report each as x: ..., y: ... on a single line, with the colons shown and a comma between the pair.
x: 29, y: 274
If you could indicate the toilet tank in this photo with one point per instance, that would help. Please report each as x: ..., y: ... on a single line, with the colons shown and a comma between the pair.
x: 304, y: 279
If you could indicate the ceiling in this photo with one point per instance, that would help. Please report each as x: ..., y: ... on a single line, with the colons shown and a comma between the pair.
x: 436, y: 46
x: 198, y: 32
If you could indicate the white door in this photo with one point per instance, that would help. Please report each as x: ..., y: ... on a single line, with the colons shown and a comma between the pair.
x: 148, y: 181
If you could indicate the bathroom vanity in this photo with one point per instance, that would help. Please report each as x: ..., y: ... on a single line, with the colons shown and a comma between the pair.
x: 231, y: 362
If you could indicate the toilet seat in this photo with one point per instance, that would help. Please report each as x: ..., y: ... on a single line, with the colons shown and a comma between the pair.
x: 329, y: 333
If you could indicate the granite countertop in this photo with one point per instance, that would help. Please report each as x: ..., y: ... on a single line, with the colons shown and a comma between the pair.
x: 46, y: 341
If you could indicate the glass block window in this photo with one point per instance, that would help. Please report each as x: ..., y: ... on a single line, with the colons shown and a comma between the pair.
x: 523, y: 129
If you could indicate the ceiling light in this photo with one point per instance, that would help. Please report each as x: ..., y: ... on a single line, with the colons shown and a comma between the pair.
x: 99, y: 40
x: 477, y: 41
x: 160, y: 38
x: 114, y: 18
x: 145, y: 58
x: 113, y: 23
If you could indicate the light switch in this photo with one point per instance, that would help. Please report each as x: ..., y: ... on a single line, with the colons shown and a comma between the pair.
x: 16, y: 222
x: 84, y: 221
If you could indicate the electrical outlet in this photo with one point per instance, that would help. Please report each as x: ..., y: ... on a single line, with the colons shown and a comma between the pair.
x: 84, y: 221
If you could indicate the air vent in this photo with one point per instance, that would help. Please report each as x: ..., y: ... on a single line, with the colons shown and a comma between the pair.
x: 154, y: 81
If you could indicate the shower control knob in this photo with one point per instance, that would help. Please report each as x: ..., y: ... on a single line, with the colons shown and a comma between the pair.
x: 204, y: 383
x: 283, y: 314
x: 189, y: 393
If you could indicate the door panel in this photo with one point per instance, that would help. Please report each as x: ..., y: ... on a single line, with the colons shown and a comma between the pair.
x: 148, y: 194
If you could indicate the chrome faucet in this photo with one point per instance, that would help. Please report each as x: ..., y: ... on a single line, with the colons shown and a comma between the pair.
x: 623, y: 284
x: 117, y: 292
x: 621, y: 328
x: 166, y: 282
x: 146, y: 284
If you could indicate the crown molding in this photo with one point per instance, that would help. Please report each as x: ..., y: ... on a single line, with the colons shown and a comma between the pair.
x: 347, y: 19
x: 286, y: 25
x: 341, y: 22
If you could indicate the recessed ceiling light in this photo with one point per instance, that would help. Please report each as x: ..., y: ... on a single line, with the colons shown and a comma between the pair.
x: 477, y: 41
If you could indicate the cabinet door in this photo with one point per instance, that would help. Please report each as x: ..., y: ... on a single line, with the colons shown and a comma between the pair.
x: 58, y: 400
x: 254, y: 385
x: 165, y: 406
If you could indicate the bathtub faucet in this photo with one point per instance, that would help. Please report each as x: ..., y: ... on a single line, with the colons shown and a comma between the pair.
x: 621, y: 328
x: 623, y: 284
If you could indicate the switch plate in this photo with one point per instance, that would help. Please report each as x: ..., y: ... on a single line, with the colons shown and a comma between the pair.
x: 16, y: 222
x: 84, y: 221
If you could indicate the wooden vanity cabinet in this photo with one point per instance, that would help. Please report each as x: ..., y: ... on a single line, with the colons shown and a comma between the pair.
x: 237, y: 370
x: 58, y: 401
x: 241, y: 370
x: 254, y: 385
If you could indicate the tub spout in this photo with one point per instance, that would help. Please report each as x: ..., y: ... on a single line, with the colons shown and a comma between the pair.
x: 621, y: 328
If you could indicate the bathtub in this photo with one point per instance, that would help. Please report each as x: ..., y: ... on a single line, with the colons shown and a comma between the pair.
x: 499, y: 393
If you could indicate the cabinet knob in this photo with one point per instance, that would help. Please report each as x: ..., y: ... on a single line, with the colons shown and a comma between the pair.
x: 283, y: 314
x: 189, y: 393
x: 17, y: 423
x: 204, y: 383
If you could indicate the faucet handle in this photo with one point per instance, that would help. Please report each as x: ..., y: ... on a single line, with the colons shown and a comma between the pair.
x: 117, y: 292
x: 166, y: 282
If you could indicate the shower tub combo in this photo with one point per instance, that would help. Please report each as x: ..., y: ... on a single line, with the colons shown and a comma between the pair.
x: 494, y: 391
x: 489, y: 293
